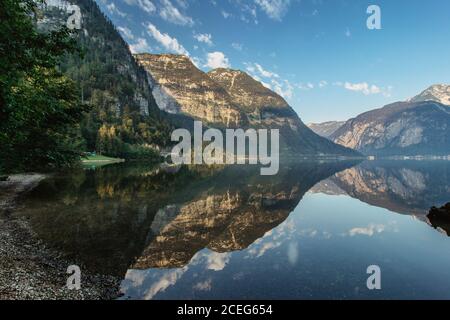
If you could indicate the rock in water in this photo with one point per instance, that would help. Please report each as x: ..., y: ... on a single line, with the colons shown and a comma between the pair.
x: 440, y: 218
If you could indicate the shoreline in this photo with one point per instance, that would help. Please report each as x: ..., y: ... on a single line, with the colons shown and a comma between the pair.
x: 29, y: 270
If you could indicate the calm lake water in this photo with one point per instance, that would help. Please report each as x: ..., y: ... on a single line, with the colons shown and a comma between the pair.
x: 204, y: 233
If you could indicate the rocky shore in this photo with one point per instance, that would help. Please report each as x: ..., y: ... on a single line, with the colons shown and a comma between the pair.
x: 29, y: 269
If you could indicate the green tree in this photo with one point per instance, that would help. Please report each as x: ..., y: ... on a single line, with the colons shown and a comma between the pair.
x: 39, y: 107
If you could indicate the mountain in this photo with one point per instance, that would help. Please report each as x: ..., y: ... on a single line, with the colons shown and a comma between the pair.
x: 325, y: 129
x: 266, y: 109
x: 246, y: 92
x: 399, y: 129
x: 230, y: 98
x: 127, y: 100
x: 179, y: 87
x: 124, y: 114
x: 438, y: 93
x: 418, y: 126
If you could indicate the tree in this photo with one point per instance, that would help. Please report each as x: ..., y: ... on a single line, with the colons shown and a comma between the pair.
x: 39, y: 107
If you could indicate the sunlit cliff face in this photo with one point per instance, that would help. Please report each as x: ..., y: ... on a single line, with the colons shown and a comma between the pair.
x: 229, y: 98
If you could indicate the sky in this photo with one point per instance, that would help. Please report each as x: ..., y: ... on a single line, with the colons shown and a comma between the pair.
x: 318, y: 54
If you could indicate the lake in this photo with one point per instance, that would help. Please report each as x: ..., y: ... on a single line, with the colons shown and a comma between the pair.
x: 309, y: 232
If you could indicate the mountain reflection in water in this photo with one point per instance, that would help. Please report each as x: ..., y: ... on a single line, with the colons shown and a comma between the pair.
x: 407, y: 187
x: 227, y: 232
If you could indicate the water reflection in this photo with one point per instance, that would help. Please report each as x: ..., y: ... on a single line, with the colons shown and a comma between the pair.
x: 239, y: 207
x: 227, y: 232
x: 407, y: 187
x: 128, y: 214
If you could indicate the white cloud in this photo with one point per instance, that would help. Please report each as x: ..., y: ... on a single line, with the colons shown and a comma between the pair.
x: 284, y: 89
x: 237, y: 46
x: 292, y: 253
x: 171, y: 14
x: 203, y: 286
x: 217, y: 60
x: 247, y: 11
x: 142, y: 281
x: 196, y: 61
x: 367, y: 231
x: 217, y: 261
x: 141, y: 46
x: 145, y: 5
x: 114, y: 10
x: 348, y: 34
x: 267, y: 85
x: 363, y: 87
x: 388, y: 91
x: 309, y: 232
x: 169, y: 43
x: 265, y: 73
x: 323, y: 84
x: 126, y: 32
x: 183, y: 3
x: 306, y: 86
x: 259, y: 70
x: 167, y: 280
x: 266, y: 247
x: 204, y: 37
x: 225, y: 14
x: 275, y: 9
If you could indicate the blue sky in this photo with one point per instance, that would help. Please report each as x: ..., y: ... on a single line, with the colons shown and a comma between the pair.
x: 318, y: 54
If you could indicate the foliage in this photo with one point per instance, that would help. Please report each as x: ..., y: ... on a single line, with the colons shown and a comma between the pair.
x: 47, y: 87
x: 114, y: 85
x: 39, y: 106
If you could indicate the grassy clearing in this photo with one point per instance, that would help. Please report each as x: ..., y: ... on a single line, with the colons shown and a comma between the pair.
x: 100, y: 158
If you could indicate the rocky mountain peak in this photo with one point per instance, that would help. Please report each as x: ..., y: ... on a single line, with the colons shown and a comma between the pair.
x: 246, y: 91
x: 438, y: 93
x: 180, y: 88
x: 229, y: 98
